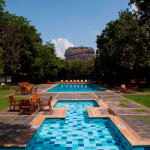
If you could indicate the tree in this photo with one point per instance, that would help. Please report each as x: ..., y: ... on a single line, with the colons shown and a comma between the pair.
x: 123, y: 48
x: 143, y: 9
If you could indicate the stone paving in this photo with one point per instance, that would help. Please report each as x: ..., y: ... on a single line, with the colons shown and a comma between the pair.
x: 14, y: 124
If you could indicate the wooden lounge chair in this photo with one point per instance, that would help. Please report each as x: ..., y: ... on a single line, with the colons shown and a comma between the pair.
x: 46, y: 103
x: 120, y: 89
x: 25, y: 104
x: 85, y: 81
x: 66, y: 81
x: 78, y: 81
x: 62, y: 81
x: 74, y: 81
x: 13, y: 102
x: 49, y: 82
x: 81, y: 81
x: 70, y: 81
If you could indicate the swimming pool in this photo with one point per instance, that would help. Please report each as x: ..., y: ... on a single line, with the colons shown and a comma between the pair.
x: 75, y: 88
x: 78, y: 131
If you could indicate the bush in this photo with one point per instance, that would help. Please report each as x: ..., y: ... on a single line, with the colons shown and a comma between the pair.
x: 5, y: 87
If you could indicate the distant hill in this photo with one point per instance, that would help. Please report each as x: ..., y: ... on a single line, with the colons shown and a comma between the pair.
x: 79, y: 53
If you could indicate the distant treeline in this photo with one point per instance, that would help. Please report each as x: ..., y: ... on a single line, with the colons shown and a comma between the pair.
x: 123, y: 51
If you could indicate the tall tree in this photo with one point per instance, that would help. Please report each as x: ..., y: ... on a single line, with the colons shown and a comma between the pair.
x: 123, y: 47
x: 143, y: 9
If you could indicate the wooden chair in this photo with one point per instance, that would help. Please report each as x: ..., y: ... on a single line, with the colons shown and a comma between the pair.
x: 120, y: 89
x: 34, y: 90
x: 25, y: 104
x: 35, y: 99
x: 135, y: 88
x: 13, y: 102
x: 46, y: 103
x: 129, y: 89
x: 17, y: 90
x: 23, y: 90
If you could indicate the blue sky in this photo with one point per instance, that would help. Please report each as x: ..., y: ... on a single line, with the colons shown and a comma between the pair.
x: 68, y: 22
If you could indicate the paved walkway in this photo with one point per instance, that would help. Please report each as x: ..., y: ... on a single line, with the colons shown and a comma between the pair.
x: 137, y: 123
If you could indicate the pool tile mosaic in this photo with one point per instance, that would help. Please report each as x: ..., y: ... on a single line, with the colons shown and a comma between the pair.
x: 77, y: 131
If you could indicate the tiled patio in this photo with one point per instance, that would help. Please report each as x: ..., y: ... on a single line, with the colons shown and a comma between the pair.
x: 137, y: 129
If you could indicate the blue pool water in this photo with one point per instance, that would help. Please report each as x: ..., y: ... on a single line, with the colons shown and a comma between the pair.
x: 75, y: 88
x: 77, y: 131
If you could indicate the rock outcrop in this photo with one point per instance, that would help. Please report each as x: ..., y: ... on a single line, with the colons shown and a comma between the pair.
x: 79, y: 53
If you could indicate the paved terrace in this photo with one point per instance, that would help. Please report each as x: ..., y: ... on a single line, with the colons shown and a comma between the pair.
x: 15, y: 130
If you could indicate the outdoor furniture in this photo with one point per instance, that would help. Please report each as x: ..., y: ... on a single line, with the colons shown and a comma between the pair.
x: 129, y: 89
x: 17, y: 90
x: 25, y: 104
x: 74, y: 81
x: 66, y: 81
x: 120, y: 89
x: 23, y: 90
x: 12, y: 102
x: 49, y: 82
x: 78, y: 81
x: 46, y: 103
x: 135, y: 88
x: 33, y: 89
x: 35, y: 100
x: 70, y: 81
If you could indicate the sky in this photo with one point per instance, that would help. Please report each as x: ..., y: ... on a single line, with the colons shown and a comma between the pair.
x: 68, y: 23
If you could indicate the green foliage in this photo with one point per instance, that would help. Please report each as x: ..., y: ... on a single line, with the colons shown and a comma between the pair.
x: 124, y: 105
x: 143, y: 9
x: 123, y: 49
x: 5, y: 87
x: 140, y: 110
x: 141, y: 116
x: 141, y: 99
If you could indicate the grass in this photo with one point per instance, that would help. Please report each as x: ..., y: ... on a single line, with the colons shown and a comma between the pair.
x: 141, y: 116
x: 140, y: 110
x: 1, y: 121
x: 124, y: 105
x: 109, y: 97
x: 84, y: 94
x: 4, y: 100
x: 148, y: 122
x: 141, y: 99
x: 145, y: 91
x: 122, y: 100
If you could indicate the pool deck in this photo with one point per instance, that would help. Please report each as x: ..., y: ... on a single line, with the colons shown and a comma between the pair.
x: 15, y: 130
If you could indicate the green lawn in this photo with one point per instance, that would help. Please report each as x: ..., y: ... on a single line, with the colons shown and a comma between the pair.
x: 141, y: 99
x: 4, y: 100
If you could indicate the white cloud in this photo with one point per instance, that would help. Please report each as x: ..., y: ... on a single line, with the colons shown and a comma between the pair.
x: 133, y: 8
x: 61, y: 45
